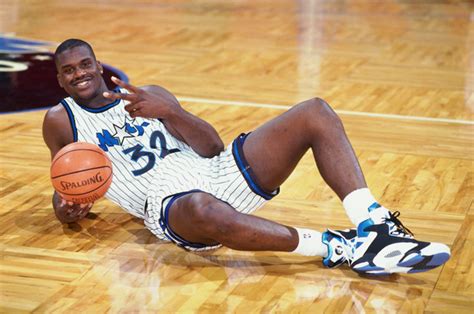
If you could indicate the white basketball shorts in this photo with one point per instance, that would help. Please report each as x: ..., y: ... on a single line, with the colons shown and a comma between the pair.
x: 227, y: 177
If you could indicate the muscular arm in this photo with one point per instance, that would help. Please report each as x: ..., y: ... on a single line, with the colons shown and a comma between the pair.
x: 197, y: 133
x: 158, y: 103
x: 57, y: 133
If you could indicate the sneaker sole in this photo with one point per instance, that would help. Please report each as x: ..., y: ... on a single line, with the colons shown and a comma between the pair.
x: 429, y: 257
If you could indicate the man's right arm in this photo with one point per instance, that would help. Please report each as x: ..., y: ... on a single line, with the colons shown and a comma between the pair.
x: 57, y: 133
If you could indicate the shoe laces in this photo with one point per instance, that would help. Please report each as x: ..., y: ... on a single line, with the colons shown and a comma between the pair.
x: 399, y: 227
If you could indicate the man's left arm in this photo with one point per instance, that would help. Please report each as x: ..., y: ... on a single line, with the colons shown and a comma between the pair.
x: 155, y: 102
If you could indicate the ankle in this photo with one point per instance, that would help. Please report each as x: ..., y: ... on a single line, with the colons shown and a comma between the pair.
x: 310, y: 243
x: 377, y: 213
x: 356, y: 204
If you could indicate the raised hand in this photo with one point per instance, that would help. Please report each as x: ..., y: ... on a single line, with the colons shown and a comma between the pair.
x: 142, y: 103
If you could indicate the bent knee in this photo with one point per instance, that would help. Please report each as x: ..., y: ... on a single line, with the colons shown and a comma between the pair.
x: 320, y: 113
x: 210, y: 216
x: 200, y: 209
x: 319, y: 106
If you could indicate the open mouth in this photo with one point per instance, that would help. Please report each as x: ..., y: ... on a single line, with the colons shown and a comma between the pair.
x: 83, y: 83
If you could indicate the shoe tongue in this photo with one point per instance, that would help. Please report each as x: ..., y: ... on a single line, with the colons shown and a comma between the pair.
x: 378, y: 213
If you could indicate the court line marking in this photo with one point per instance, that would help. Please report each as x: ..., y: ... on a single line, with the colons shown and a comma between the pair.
x: 342, y: 112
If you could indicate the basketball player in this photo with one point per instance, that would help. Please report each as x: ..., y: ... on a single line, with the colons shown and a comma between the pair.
x: 171, y: 169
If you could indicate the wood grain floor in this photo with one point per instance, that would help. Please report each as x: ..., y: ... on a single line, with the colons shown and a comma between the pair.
x: 401, y: 75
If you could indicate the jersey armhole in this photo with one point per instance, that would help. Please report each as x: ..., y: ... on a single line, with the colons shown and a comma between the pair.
x: 71, y: 119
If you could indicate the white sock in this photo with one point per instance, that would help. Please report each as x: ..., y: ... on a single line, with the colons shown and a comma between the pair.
x: 310, y: 243
x: 357, y: 205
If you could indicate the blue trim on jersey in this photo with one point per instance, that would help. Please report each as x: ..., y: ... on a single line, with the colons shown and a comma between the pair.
x: 169, y: 233
x: 246, y: 170
x: 103, y: 108
x: 71, y: 119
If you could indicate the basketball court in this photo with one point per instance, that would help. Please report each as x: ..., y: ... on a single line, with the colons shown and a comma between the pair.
x: 399, y: 73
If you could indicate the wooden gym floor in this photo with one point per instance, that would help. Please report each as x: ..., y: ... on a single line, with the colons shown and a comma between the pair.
x: 399, y: 73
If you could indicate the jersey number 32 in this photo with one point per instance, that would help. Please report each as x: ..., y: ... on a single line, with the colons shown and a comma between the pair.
x: 138, y: 152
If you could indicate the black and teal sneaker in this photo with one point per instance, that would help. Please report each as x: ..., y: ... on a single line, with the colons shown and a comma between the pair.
x: 389, y: 247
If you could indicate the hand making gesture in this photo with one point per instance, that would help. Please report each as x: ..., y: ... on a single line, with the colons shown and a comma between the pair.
x: 156, y: 103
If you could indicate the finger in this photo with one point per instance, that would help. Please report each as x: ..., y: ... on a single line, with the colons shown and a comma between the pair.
x: 136, y: 113
x: 128, y: 97
x: 70, y: 203
x: 127, y: 86
x: 133, y: 108
x: 80, y: 213
x: 111, y: 95
x: 63, y: 202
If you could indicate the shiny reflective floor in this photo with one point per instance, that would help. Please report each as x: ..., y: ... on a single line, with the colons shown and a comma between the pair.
x: 399, y: 73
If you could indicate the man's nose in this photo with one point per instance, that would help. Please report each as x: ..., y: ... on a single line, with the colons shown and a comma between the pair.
x: 79, y: 72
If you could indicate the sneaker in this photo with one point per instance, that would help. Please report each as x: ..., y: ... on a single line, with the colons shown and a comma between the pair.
x: 390, y: 247
x: 339, y: 246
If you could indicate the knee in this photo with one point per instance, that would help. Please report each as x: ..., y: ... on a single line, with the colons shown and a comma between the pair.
x: 319, y: 113
x: 211, y: 217
x: 200, y: 211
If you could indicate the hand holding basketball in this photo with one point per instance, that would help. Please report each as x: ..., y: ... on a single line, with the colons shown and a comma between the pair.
x: 81, y: 173
x: 68, y: 211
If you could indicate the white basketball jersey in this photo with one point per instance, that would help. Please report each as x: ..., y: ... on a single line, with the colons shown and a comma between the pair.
x: 135, y: 147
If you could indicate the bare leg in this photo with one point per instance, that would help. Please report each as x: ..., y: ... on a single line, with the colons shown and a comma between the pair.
x: 201, y: 218
x: 274, y: 149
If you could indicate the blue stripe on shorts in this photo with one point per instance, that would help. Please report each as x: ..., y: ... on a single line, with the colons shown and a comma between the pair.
x: 169, y: 233
x: 246, y: 170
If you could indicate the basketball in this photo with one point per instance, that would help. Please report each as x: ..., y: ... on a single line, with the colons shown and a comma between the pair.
x: 81, y: 172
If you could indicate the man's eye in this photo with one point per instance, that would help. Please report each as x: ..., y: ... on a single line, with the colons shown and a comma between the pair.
x: 86, y: 65
x: 68, y: 71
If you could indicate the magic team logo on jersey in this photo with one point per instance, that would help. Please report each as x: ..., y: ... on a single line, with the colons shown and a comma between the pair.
x: 147, y: 148
x: 28, y: 75
x: 129, y: 129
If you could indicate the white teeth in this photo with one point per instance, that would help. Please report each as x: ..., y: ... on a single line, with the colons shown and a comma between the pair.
x: 82, y: 83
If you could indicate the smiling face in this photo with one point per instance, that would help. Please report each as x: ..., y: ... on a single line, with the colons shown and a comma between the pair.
x: 80, y: 74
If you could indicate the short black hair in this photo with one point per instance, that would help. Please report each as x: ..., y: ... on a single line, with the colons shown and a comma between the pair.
x: 72, y: 43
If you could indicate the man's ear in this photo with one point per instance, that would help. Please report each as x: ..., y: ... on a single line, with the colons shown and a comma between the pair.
x: 99, y: 65
x: 59, y: 80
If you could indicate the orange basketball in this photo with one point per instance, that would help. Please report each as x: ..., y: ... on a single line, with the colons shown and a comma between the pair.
x: 81, y: 172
